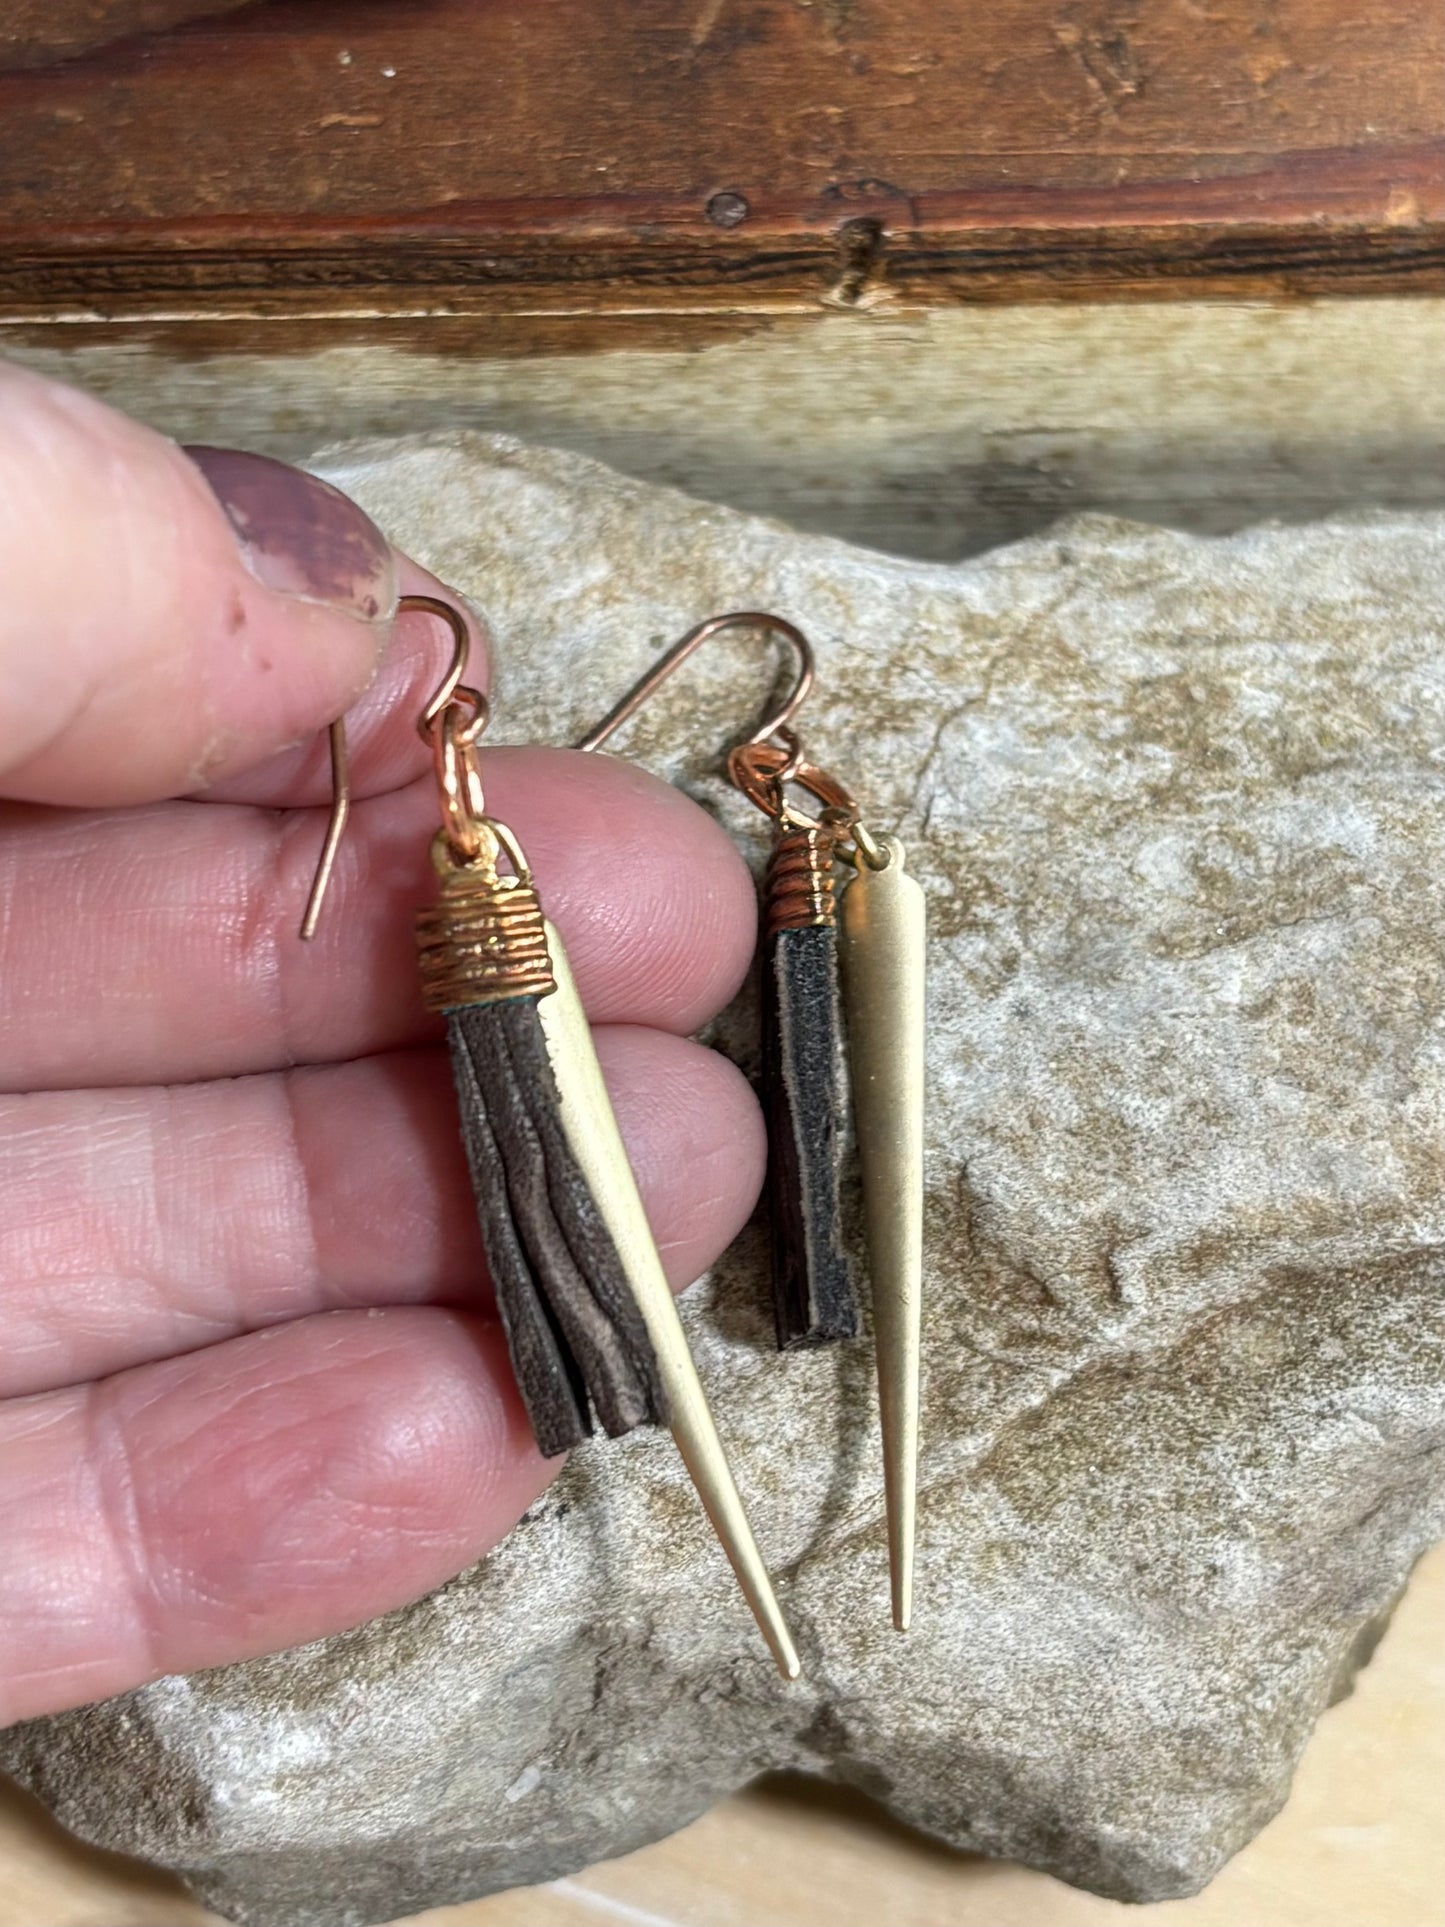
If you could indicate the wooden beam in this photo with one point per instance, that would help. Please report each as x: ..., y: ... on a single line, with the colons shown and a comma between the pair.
x: 315, y: 157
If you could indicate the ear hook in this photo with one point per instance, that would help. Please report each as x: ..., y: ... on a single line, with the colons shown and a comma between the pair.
x: 450, y: 691
x: 642, y: 690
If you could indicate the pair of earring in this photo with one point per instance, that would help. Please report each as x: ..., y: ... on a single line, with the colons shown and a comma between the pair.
x: 589, y: 1317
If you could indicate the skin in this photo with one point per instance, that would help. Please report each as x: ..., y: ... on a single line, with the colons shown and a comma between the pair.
x: 252, y: 1389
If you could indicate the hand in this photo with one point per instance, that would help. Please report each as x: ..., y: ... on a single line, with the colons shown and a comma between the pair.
x: 251, y: 1388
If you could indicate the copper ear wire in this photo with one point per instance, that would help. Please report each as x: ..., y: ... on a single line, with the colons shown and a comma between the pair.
x: 767, y: 761
x: 453, y: 722
x: 762, y: 771
x: 642, y: 690
x: 335, y: 826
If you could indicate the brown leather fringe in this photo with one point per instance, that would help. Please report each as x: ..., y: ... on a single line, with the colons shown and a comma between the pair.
x: 805, y: 1095
x: 577, y: 1339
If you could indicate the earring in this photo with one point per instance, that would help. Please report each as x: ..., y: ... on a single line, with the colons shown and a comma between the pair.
x: 589, y: 1318
x: 827, y: 969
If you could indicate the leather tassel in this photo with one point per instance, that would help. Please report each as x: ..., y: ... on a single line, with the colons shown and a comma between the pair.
x: 805, y: 1094
x: 577, y: 1339
x: 579, y: 1345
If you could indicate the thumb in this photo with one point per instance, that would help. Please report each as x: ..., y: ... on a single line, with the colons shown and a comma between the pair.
x: 168, y: 620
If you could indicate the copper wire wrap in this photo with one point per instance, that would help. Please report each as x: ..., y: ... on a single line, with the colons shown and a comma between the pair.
x: 484, y: 938
x: 799, y: 892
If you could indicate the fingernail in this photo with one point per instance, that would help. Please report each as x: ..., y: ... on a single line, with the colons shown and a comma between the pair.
x: 299, y: 535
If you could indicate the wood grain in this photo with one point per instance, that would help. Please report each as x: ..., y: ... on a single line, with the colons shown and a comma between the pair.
x: 36, y: 33
x: 1359, y: 1845
x: 931, y: 435
x: 349, y: 156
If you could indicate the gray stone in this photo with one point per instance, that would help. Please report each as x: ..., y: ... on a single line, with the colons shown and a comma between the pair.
x: 1180, y: 805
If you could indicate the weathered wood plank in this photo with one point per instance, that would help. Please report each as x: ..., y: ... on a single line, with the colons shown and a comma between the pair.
x: 36, y: 33
x: 311, y: 156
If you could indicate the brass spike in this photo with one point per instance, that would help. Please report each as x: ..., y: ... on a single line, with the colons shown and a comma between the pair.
x: 597, y: 1145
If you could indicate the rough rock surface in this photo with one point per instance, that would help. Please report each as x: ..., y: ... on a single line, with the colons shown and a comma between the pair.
x: 1181, y: 807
